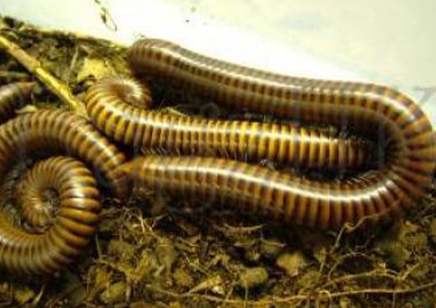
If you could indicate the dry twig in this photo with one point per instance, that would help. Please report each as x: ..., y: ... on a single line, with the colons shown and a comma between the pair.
x: 59, y: 88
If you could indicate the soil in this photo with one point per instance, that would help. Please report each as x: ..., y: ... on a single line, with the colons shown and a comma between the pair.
x: 162, y: 252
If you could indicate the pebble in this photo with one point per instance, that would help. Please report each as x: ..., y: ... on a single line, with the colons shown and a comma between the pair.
x: 292, y: 263
x: 253, y: 277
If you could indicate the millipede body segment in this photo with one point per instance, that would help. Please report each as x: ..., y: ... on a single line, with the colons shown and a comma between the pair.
x: 75, y: 221
x: 113, y: 106
x: 271, y: 193
x: 72, y: 135
x: 66, y: 132
x: 13, y: 96
x: 393, y: 121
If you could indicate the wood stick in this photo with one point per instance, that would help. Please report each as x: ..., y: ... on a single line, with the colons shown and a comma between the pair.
x: 59, y: 88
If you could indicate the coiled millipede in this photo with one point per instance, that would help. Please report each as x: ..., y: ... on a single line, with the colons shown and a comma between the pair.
x: 392, y: 120
x: 72, y: 135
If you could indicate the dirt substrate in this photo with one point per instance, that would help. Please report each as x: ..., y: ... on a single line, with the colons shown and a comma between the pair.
x: 160, y: 252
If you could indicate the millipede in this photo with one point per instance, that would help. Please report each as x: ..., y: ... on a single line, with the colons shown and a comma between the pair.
x: 116, y: 105
x: 385, y: 120
x: 14, y: 96
x: 272, y: 193
x: 72, y: 135
x: 75, y: 220
x: 395, y: 122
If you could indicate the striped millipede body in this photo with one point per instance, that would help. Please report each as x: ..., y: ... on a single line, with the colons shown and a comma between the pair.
x: 33, y: 194
x: 74, y: 223
x: 271, y: 193
x: 12, y: 97
x: 73, y: 135
x: 114, y: 103
x: 393, y: 120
